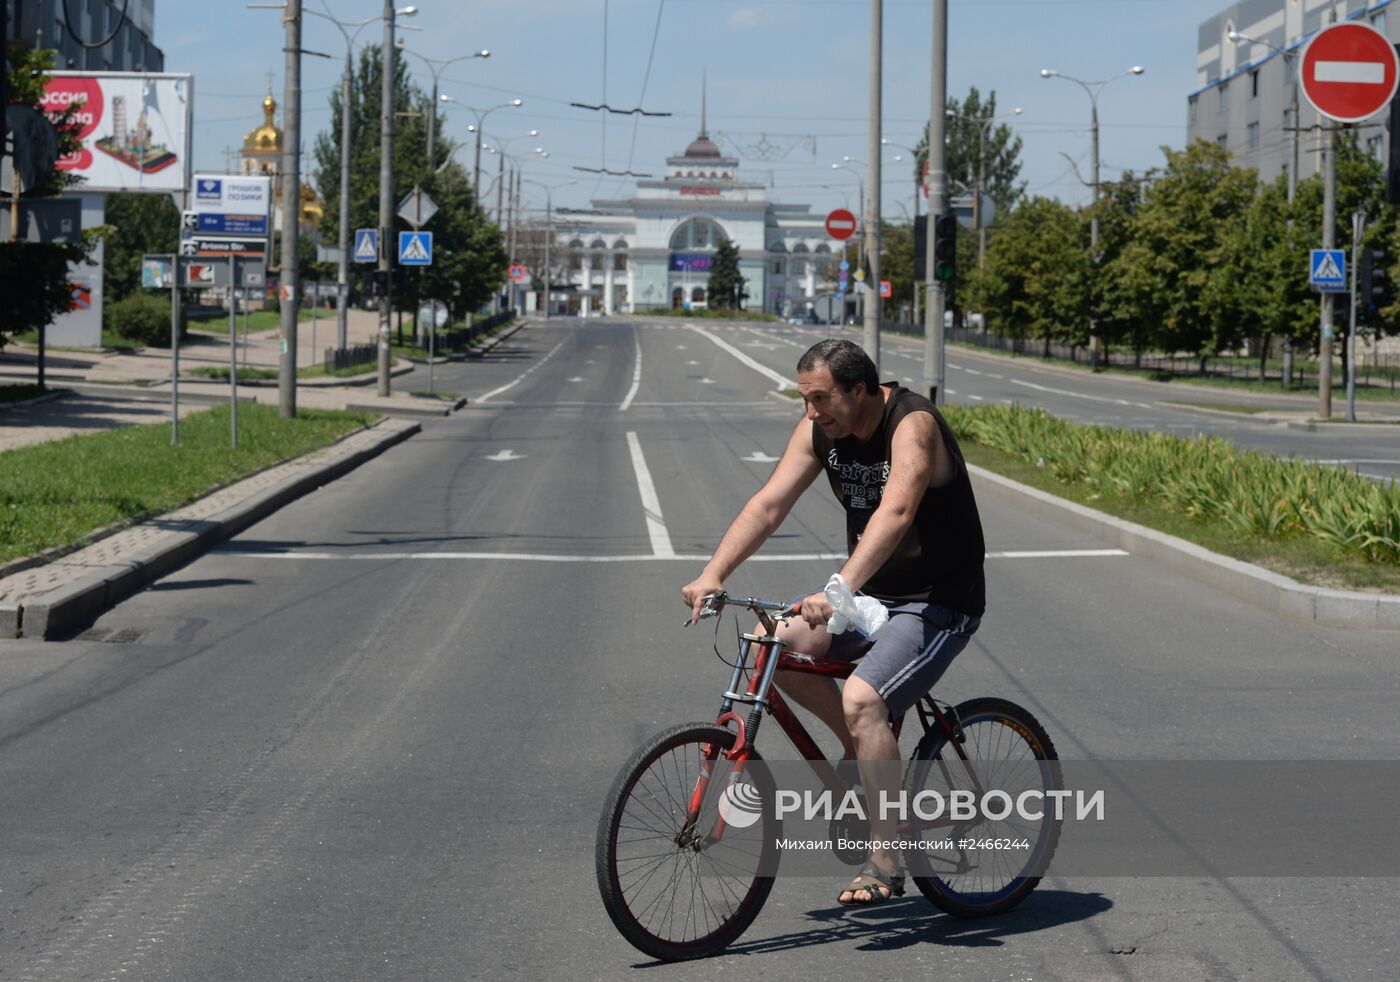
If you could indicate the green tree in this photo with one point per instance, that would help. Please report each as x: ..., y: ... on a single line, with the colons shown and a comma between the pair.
x: 1035, y: 281
x: 469, y: 260
x: 1170, y: 267
x: 897, y: 263
x: 1113, y: 298
x: 1003, y: 149
x: 137, y: 224
x: 726, y: 284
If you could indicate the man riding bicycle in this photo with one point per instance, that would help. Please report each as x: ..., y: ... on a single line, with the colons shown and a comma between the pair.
x: 915, y: 544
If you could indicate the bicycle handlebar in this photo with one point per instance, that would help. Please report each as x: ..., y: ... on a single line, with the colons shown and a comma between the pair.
x: 713, y: 604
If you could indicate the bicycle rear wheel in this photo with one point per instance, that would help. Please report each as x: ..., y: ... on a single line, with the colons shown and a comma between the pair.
x: 672, y: 888
x: 1008, y: 749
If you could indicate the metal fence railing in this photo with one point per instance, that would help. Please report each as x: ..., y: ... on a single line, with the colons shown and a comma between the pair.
x: 450, y: 340
x: 1373, y: 370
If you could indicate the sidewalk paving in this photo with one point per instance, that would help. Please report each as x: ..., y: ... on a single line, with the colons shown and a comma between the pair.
x: 43, y: 601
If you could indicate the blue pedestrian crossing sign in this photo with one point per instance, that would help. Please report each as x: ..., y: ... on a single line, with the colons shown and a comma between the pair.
x: 366, y: 245
x: 1328, y: 270
x: 415, y: 248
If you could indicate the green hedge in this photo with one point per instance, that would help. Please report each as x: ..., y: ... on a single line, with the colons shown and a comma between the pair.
x: 142, y: 317
x: 1207, y: 477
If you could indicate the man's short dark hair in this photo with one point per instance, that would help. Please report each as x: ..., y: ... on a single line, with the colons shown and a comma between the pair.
x: 847, y: 362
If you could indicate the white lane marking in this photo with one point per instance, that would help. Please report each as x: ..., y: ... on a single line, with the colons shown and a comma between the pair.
x: 1357, y: 460
x: 790, y: 557
x: 636, y: 377
x: 959, y: 368
x: 1364, y: 72
x: 506, y: 454
x: 680, y: 347
x: 950, y: 392
x: 523, y: 376
x: 780, y: 381
x: 576, y: 378
x: 651, y: 505
x: 759, y: 457
x: 970, y: 371
x: 707, y: 381
x: 1065, y: 392
x: 907, y: 379
x: 692, y: 362
x: 994, y: 375
x: 975, y: 398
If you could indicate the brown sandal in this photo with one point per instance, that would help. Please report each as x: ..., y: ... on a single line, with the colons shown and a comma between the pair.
x: 877, y: 886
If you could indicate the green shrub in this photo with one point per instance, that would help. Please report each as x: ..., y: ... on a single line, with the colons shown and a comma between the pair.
x: 142, y: 317
x: 1207, y: 477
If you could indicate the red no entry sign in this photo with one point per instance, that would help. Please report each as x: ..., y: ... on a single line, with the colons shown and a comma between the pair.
x: 840, y: 224
x: 517, y: 272
x: 1349, y: 72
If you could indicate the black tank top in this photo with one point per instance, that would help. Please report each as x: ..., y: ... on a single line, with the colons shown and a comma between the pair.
x: 939, y: 560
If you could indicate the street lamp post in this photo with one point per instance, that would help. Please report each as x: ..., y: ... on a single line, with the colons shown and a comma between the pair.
x: 983, y: 124
x: 918, y: 186
x: 1290, y: 62
x: 480, y: 115
x: 349, y: 30
x: 860, y: 240
x: 500, y: 194
x: 548, y: 229
x: 436, y: 66
x: 1092, y: 89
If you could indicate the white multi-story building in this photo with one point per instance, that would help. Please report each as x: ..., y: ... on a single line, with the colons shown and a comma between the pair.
x: 1243, y: 99
x: 654, y: 250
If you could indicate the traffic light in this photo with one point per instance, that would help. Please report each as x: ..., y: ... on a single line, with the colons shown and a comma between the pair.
x: 945, y: 248
x: 920, y: 247
x: 1374, y: 287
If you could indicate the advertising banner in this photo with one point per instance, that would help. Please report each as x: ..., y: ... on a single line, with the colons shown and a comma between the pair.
x: 135, y: 128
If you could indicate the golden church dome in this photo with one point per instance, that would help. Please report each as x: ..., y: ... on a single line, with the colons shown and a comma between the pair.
x: 267, y: 138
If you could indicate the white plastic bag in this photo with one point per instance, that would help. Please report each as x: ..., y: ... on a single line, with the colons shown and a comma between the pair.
x: 866, y: 614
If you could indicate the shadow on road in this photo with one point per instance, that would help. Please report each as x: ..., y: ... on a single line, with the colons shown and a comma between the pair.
x: 911, y: 921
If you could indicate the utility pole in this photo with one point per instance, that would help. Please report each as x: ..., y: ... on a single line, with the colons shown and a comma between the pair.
x: 291, y: 213
x: 1358, y: 224
x: 386, y: 194
x: 1329, y: 233
x: 342, y: 306
x: 937, y: 205
x: 872, y: 210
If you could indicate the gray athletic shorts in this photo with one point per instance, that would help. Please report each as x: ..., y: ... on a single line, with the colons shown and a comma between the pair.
x: 912, y: 653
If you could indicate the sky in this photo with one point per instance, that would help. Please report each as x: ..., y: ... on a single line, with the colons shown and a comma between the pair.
x: 788, y: 82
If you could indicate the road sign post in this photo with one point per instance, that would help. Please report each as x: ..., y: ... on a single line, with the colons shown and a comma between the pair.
x: 1348, y: 72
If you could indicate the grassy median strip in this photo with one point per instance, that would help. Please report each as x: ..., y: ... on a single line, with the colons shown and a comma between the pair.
x: 1321, y: 525
x: 56, y: 494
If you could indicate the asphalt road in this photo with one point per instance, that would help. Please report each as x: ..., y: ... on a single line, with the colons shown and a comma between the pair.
x: 975, y: 377
x: 370, y: 737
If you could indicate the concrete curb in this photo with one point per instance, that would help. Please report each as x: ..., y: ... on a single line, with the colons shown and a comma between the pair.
x: 430, y: 408
x: 1259, y: 586
x: 71, y: 606
x: 498, y: 339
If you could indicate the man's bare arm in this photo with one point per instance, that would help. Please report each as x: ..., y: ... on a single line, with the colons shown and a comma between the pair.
x: 760, y: 517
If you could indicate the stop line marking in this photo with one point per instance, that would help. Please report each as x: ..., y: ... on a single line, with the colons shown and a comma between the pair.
x: 789, y: 557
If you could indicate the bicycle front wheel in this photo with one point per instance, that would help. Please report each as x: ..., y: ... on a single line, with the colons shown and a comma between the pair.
x: 678, y: 888
x: 988, y: 866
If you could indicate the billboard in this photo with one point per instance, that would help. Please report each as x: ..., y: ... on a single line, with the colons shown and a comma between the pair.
x: 135, y: 128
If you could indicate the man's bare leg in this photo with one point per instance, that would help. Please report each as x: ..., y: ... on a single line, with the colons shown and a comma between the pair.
x: 867, y: 718
x: 817, y: 694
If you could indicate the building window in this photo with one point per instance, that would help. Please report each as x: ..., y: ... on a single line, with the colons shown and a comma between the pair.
x: 620, y: 262
x: 1375, y: 147
x: 1224, y: 89
x: 1252, y: 137
x: 1191, y: 105
x: 1220, y: 141
x: 1254, y: 84
x: 698, y: 233
x: 778, y: 267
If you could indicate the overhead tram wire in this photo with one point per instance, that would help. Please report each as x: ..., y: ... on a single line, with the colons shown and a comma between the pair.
x: 646, y: 80
x: 68, y: 26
